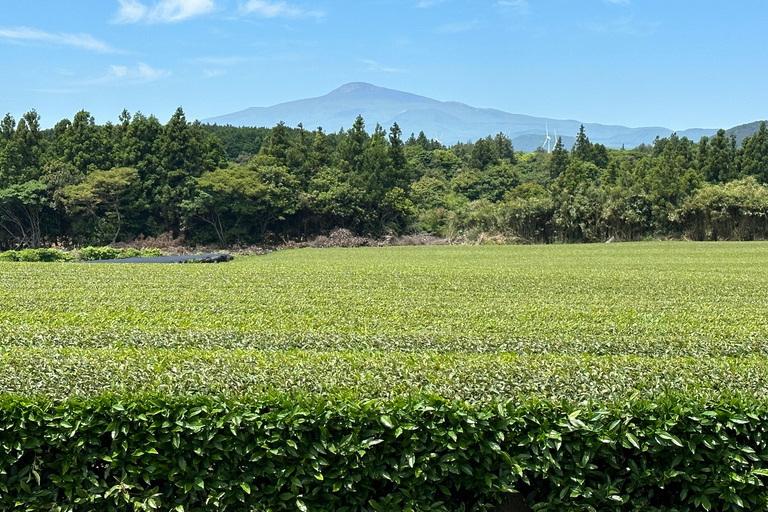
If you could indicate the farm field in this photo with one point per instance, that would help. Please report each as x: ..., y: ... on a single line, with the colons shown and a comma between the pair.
x: 579, y: 377
x: 476, y: 323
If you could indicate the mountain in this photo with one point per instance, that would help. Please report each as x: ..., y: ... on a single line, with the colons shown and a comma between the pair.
x: 447, y: 121
x: 744, y: 130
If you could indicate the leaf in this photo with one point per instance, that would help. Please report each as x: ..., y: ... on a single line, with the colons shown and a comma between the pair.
x: 633, y: 440
x: 245, y: 487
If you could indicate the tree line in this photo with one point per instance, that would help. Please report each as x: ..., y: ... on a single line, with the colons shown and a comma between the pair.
x: 81, y: 183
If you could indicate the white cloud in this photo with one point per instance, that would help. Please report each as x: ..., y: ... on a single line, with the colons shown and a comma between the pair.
x: 130, y: 11
x: 213, y: 73
x: 517, y: 6
x: 624, y: 26
x: 268, y: 9
x: 162, y: 11
x: 375, y: 66
x: 141, y: 73
x: 82, y: 41
x: 618, y: 1
x: 424, y: 4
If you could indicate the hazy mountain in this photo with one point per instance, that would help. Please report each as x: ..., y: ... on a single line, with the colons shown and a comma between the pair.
x: 447, y: 121
x: 744, y: 130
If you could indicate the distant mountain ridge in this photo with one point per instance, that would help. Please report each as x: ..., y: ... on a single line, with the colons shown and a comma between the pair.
x: 447, y: 121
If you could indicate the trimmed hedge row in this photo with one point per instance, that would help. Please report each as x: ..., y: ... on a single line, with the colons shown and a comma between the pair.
x: 286, y: 453
x: 62, y: 373
x: 86, y: 253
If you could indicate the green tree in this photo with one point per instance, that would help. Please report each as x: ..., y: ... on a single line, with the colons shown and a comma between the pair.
x: 558, y: 160
x: 103, y: 195
x: 753, y: 158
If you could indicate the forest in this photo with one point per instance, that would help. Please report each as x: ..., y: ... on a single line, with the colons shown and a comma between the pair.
x: 81, y: 183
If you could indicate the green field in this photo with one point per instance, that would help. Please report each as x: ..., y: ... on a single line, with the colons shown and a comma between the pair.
x: 479, y: 323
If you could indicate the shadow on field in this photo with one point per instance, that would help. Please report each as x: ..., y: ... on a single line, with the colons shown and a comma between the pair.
x: 189, y: 258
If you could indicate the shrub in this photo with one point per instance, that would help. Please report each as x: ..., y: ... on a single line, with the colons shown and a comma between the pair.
x: 151, y: 253
x: 9, y: 256
x: 293, y: 453
x: 99, y: 253
x: 28, y: 255
x: 50, y: 255
x: 129, y: 253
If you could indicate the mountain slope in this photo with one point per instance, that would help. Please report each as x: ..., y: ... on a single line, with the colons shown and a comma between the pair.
x: 449, y: 122
x: 744, y: 130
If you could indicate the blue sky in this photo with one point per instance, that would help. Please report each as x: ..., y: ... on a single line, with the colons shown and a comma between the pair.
x: 678, y: 64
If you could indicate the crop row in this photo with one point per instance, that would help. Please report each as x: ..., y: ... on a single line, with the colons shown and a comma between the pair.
x: 202, y: 453
x: 659, y: 299
x: 62, y: 373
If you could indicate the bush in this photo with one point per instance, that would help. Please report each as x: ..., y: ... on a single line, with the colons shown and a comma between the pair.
x: 150, y: 253
x: 129, y: 253
x: 34, y: 255
x: 9, y: 256
x: 292, y: 453
x: 29, y: 255
x: 99, y: 253
x: 51, y: 255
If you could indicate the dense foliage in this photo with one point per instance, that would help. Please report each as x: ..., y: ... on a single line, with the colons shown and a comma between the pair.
x: 85, y: 254
x: 648, y: 299
x: 199, y: 454
x: 620, y: 377
x: 472, y: 378
x: 82, y: 183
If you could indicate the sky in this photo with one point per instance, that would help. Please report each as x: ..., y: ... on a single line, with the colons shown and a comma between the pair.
x: 677, y: 64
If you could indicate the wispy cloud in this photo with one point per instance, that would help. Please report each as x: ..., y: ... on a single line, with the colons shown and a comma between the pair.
x: 162, y: 11
x: 375, y: 66
x: 115, y: 76
x: 425, y: 4
x: 453, y: 28
x: 517, y: 6
x: 625, y: 25
x: 81, y: 41
x: 269, y: 9
x: 617, y: 1
x: 213, y: 73
x: 141, y: 73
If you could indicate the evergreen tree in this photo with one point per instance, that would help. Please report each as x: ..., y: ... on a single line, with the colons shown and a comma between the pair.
x: 558, y: 160
x: 582, y: 148
x: 720, y: 159
x: 753, y: 159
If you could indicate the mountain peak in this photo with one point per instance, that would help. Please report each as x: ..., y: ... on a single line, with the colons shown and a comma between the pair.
x: 449, y: 122
x: 355, y: 87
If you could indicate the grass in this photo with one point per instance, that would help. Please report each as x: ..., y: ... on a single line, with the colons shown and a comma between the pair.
x: 557, y: 321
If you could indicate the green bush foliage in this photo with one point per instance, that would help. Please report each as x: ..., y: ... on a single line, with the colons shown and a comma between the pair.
x: 35, y: 255
x: 87, y: 253
x: 622, y: 377
x: 289, y: 453
x: 472, y: 378
x: 99, y: 253
x: 9, y: 255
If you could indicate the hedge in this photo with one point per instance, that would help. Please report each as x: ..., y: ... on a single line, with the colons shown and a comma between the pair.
x: 196, y: 453
x: 476, y: 379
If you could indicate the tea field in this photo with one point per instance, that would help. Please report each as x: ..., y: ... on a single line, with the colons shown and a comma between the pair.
x: 618, y: 378
x: 477, y: 323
